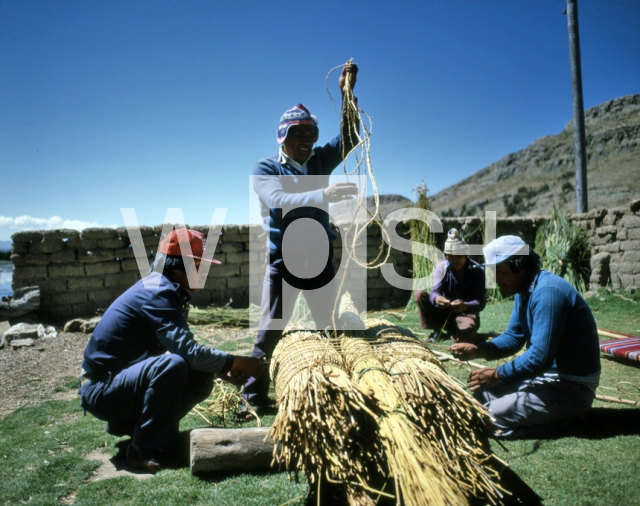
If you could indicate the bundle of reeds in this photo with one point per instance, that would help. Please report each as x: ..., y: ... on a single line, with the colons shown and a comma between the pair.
x: 415, y: 471
x: 374, y: 405
x: 449, y: 421
x: 324, y: 426
x: 421, y: 233
x: 220, y: 407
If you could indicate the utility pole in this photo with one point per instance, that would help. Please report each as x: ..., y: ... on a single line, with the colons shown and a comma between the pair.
x: 579, y: 137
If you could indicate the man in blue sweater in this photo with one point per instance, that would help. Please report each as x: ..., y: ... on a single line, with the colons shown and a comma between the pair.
x: 142, y: 369
x: 293, y: 185
x: 553, y: 383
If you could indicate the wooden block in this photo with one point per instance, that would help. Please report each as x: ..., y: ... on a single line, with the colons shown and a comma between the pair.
x: 230, y: 450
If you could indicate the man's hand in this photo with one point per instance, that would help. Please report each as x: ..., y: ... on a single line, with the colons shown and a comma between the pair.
x: 340, y: 191
x: 459, y: 306
x: 442, y: 302
x: 483, y: 378
x: 243, y: 368
x: 466, y: 351
x: 352, y: 69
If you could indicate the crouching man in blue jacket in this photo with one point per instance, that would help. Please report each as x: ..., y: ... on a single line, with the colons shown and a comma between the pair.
x: 553, y: 383
x: 142, y: 369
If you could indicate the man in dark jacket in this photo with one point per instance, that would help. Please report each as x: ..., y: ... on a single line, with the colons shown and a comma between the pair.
x: 458, y: 294
x: 142, y: 369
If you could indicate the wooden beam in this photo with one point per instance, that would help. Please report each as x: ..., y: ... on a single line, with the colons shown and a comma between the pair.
x: 231, y: 450
x: 617, y: 399
x: 613, y: 334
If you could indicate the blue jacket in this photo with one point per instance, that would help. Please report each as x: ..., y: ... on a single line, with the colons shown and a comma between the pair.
x: 143, y: 323
x: 556, y: 324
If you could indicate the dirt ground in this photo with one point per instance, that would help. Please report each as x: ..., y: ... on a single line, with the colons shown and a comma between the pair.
x: 33, y: 374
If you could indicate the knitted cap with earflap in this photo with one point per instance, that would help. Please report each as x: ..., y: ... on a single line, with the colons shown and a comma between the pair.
x: 297, y: 115
x: 455, y: 245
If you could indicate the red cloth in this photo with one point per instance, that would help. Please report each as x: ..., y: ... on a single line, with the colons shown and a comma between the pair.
x: 624, y: 348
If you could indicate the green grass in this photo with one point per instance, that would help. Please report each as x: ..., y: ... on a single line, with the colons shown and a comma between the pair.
x: 181, y: 487
x: 67, y: 383
x: 41, y: 460
x: 596, y: 463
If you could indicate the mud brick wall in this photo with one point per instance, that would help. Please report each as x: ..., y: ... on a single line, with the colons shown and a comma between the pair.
x: 81, y: 272
x: 614, y: 235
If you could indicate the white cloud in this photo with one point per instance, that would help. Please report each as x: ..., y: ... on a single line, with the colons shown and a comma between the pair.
x: 25, y: 222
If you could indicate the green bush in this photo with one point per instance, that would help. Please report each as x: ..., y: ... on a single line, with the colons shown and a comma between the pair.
x: 565, y: 250
x: 421, y: 232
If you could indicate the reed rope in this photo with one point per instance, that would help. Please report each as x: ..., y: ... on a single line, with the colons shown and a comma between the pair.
x: 352, y: 117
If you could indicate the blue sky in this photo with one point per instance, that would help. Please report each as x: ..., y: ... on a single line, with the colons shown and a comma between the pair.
x: 156, y: 104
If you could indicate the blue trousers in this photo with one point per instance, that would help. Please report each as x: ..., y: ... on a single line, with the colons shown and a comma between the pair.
x: 274, y: 306
x: 151, y: 397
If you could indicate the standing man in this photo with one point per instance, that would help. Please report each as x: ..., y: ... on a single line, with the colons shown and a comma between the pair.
x: 553, y: 383
x: 458, y: 294
x: 291, y: 185
x: 142, y: 369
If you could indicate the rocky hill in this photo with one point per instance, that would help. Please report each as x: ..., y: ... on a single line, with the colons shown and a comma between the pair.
x: 342, y: 212
x: 530, y: 181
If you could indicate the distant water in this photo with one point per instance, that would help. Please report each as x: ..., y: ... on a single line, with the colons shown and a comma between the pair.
x: 6, y: 275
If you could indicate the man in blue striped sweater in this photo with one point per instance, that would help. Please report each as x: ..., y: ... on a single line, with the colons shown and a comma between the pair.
x: 287, y: 194
x: 553, y: 383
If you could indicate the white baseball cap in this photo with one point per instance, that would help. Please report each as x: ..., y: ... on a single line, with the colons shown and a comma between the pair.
x: 503, y: 247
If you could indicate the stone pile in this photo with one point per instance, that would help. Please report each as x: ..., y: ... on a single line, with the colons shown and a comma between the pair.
x: 26, y: 334
x: 23, y: 301
x: 81, y: 325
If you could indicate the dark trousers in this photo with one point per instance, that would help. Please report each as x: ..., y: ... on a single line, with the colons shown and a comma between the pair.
x: 150, y: 397
x: 274, y: 306
x: 462, y: 326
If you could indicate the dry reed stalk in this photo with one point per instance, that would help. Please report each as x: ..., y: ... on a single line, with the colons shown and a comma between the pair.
x: 619, y: 400
x: 219, y: 316
x: 320, y: 428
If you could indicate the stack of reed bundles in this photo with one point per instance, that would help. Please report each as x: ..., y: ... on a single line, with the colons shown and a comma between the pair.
x: 375, y: 411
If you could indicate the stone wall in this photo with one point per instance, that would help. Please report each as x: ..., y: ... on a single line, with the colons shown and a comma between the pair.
x: 81, y: 272
x: 614, y: 235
